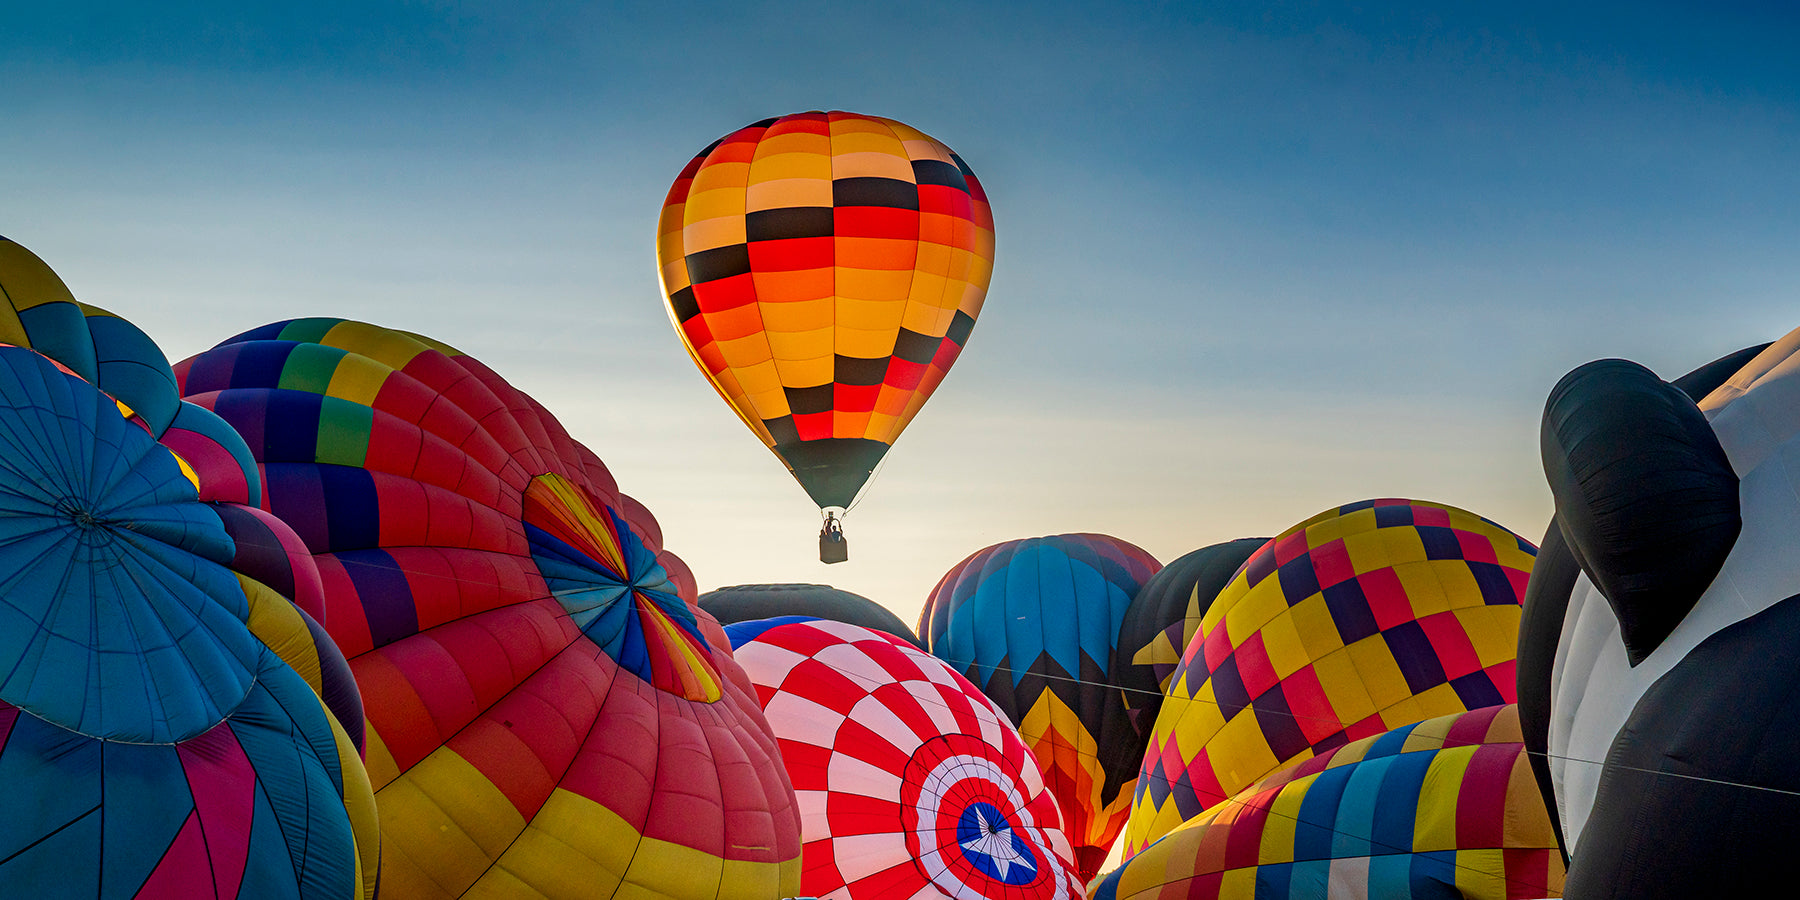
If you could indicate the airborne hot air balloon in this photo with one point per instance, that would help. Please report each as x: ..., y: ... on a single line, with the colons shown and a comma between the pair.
x: 1442, y: 808
x: 1356, y: 621
x: 1034, y: 622
x: 911, y: 784
x: 169, y: 718
x: 824, y: 271
x: 548, y: 713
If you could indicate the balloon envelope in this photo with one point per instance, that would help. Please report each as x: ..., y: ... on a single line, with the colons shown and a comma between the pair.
x: 1442, y: 808
x: 744, y: 602
x: 824, y: 271
x: 548, y: 713
x: 1688, y: 724
x: 162, y: 731
x: 1034, y: 622
x: 1358, y: 620
x: 910, y: 782
x: 1163, y: 617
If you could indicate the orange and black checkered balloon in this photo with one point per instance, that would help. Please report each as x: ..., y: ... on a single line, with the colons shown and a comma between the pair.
x: 824, y: 270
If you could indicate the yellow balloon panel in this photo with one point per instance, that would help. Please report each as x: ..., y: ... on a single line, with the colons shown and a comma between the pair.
x: 1357, y: 621
x: 1445, y: 807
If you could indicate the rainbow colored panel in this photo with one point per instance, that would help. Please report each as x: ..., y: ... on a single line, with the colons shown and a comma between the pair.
x: 1446, y: 807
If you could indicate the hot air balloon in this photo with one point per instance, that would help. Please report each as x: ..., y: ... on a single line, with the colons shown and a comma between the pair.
x: 549, y: 715
x: 1034, y: 622
x: 1656, y: 660
x: 1441, y: 808
x: 169, y: 717
x: 1356, y: 621
x: 824, y: 271
x: 743, y: 602
x: 910, y: 783
x: 1163, y: 617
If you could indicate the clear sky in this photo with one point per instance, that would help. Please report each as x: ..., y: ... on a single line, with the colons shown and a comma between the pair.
x: 1254, y: 260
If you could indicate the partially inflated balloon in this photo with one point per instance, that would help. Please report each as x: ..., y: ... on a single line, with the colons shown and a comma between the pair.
x: 743, y: 602
x: 824, y: 271
x: 1358, y: 620
x: 549, y: 715
x: 1035, y: 622
x: 1442, y: 808
x: 1163, y: 617
x: 162, y: 732
x: 911, y: 784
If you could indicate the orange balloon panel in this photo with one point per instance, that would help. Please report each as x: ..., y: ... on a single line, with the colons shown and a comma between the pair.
x: 824, y: 270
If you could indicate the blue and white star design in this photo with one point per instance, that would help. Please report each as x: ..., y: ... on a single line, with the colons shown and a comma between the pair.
x: 973, y: 835
x: 988, y: 842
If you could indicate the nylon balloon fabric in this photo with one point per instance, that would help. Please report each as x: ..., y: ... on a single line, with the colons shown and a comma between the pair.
x: 1666, y: 648
x: 911, y: 784
x: 744, y: 602
x: 169, y: 716
x: 1442, y: 808
x: 548, y: 714
x: 1163, y: 617
x: 824, y: 270
x: 41, y: 313
x: 1357, y: 621
x: 1035, y: 623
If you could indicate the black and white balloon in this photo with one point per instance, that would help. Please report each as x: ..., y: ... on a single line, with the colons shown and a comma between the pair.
x: 1659, y: 654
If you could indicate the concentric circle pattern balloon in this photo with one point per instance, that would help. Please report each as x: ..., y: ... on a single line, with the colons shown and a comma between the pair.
x: 1356, y: 621
x: 1035, y: 622
x: 910, y: 782
x: 1446, y: 807
x: 824, y: 270
x: 549, y: 715
x: 162, y: 732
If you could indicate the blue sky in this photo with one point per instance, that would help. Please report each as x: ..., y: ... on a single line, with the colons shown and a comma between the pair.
x: 1254, y: 260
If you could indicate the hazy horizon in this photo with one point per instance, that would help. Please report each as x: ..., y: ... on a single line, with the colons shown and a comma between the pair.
x: 1253, y: 261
